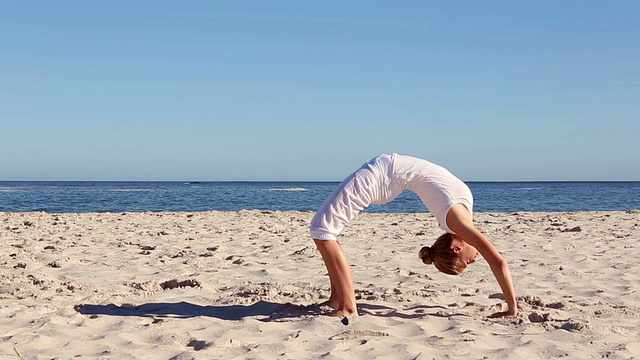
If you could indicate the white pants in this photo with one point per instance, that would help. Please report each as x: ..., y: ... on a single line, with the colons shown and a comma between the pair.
x: 371, y: 184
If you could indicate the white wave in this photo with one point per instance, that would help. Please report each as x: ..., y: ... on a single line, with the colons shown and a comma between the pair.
x: 12, y: 189
x: 286, y: 189
x: 131, y: 190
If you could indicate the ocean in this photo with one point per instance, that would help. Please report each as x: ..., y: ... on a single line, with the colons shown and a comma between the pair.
x: 99, y: 196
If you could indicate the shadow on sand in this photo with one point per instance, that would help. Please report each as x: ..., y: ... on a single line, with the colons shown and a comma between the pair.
x: 263, y: 310
x: 269, y: 311
x: 414, y: 312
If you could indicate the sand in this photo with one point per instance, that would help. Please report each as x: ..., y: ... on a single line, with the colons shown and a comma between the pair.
x: 242, y: 285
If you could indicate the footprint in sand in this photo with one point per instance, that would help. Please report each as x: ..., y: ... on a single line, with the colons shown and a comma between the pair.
x: 198, y: 345
x: 237, y: 260
x: 572, y: 325
x: 356, y: 334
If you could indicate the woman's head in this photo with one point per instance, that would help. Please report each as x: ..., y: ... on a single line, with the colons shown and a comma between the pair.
x: 449, y: 254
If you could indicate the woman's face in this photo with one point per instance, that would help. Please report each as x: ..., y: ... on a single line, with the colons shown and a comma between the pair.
x: 467, y: 255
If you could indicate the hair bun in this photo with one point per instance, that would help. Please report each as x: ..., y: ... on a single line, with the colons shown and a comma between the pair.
x: 425, y: 255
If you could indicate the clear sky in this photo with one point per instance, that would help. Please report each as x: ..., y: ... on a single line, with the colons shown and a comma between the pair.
x: 309, y: 90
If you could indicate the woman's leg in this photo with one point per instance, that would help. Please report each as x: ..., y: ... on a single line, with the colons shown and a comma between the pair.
x: 343, y: 297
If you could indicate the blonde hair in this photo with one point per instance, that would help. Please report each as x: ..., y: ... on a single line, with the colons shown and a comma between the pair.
x: 442, y: 256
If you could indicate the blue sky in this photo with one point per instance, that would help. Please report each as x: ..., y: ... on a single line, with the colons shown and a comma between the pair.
x: 298, y: 90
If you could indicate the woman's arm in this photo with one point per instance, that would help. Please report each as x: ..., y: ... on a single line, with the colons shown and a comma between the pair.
x: 459, y: 220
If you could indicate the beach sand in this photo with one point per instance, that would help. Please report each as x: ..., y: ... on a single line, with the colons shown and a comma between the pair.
x: 242, y: 285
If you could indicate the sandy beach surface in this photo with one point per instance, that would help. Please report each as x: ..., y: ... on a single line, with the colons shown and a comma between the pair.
x: 243, y: 285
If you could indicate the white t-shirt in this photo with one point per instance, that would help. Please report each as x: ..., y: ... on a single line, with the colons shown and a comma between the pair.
x: 438, y: 188
x: 381, y: 180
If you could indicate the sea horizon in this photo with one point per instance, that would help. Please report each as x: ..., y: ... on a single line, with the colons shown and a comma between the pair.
x: 302, y: 181
x: 144, y: 195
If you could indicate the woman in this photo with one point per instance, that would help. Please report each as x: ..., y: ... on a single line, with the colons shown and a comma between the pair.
x: 448, y: 198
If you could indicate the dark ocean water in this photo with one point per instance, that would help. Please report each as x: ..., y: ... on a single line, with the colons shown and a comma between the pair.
x: 59, y: 197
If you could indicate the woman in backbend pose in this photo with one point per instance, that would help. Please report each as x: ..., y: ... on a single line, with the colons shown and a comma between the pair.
x: 448, y: 198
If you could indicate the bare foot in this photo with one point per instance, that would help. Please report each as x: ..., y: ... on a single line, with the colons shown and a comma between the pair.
x: 344, y: 313
x: 330, y: 303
